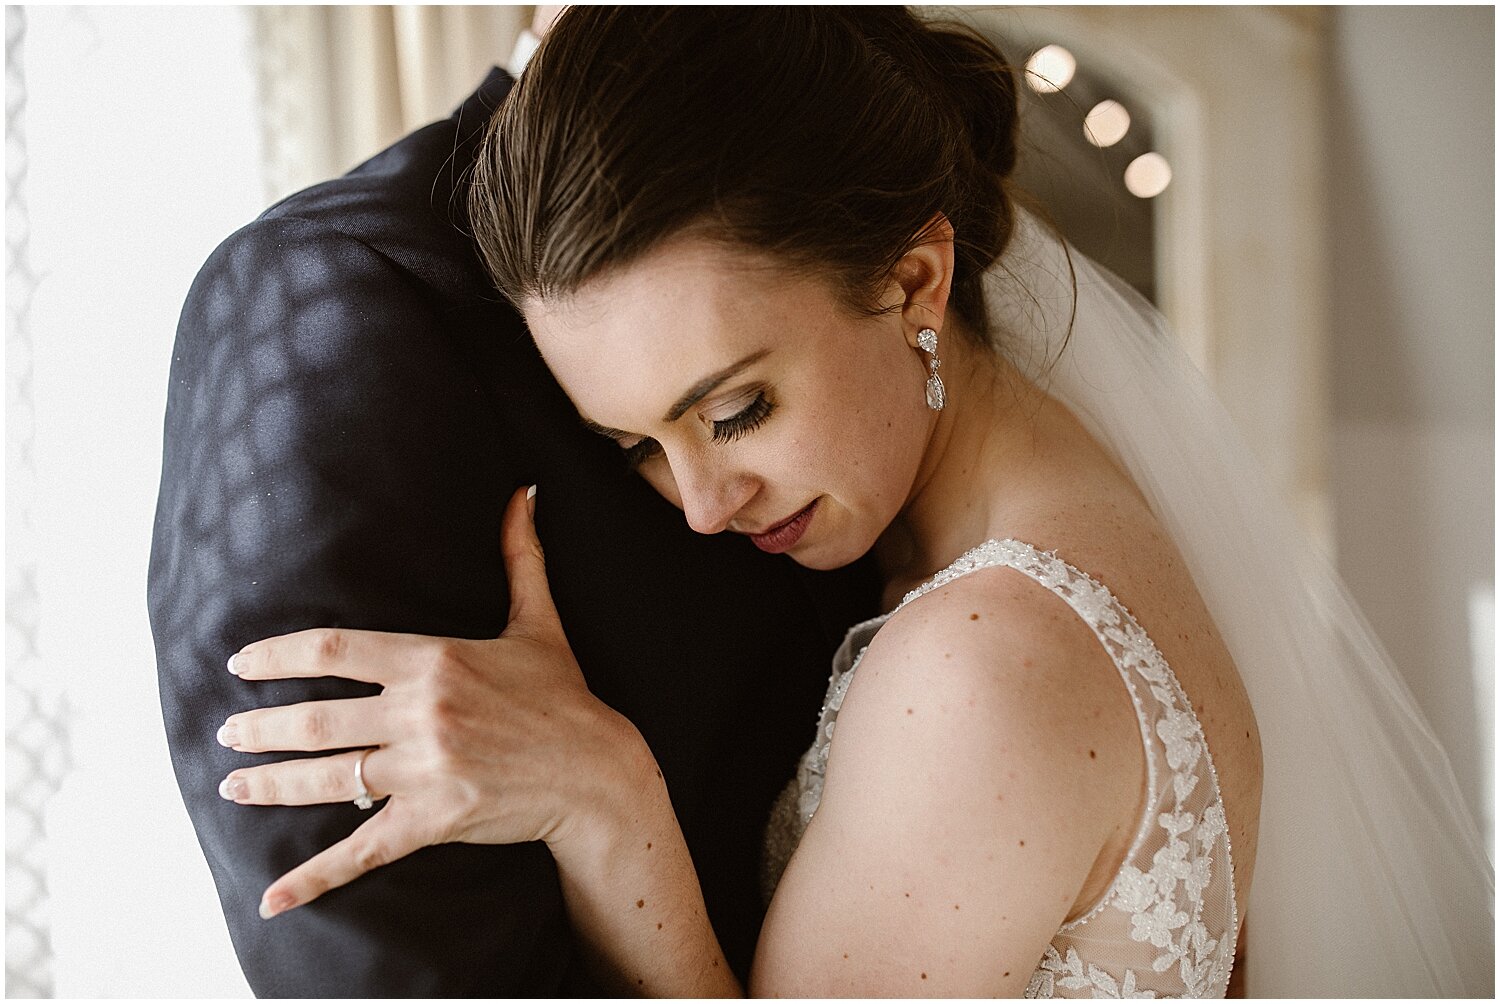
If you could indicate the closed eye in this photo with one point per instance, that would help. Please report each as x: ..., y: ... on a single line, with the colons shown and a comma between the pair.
x: 641, y: 452
x: 727, y: 430
x: 747, y: 421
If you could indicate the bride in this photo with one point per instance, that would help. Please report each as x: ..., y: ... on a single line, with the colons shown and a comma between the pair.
x: 1118, y: 724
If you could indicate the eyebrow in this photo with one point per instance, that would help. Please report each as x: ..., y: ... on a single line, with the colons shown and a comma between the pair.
x: 696, y: 393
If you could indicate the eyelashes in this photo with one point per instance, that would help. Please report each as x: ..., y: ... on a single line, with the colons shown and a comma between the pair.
x: 747, y: 421
x: 728, y: 430
x: 641, y: 452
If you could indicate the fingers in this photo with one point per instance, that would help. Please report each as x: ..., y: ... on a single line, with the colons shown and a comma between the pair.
x: 312, y: 725
x: 387, y: 837
x: 371, y: 656
x: 531, y: 608
x: 313, y: 780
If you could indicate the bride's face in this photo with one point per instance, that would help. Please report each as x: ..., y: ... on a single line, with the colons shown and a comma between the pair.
x: 750, y: 398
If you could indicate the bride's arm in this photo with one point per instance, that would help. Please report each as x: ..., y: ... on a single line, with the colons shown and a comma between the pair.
x: 985, y: 754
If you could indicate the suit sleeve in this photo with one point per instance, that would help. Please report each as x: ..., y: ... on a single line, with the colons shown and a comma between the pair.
x: 330, y: 460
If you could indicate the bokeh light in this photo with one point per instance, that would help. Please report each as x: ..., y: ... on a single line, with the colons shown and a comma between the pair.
x: 1148, y: 175
x: 1050, y: 69
x: 1106, y: 123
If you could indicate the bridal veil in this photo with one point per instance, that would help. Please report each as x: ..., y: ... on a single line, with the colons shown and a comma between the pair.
x: 1371, y: 879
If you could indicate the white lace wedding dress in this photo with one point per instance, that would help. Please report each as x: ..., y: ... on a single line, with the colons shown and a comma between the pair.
x: 1167, y: 925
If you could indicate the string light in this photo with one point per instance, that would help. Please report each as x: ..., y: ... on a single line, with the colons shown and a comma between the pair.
x: 1050, y: 69
x: 1106, y: 123
x: 1148, y: 175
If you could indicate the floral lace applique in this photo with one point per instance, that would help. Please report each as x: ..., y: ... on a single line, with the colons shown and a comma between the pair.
x: 1068, y: 974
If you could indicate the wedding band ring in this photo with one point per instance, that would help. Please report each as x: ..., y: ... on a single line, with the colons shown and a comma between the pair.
x: 362, y: 798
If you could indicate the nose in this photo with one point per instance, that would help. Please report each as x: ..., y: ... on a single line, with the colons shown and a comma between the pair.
x: 709, y: 495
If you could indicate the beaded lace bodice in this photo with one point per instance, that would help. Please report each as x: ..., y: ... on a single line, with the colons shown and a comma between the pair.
x: 1167, y: 925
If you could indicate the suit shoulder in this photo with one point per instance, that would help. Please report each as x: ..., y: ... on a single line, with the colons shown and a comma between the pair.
x: 282, y: 243
x: 286, y: 281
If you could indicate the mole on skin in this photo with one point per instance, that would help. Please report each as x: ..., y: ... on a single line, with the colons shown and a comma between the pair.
x: 639, y: 903
x: 973, y: 617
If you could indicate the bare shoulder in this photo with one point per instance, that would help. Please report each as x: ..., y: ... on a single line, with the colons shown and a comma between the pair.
x: 995, y: 658
x: 997, y: 624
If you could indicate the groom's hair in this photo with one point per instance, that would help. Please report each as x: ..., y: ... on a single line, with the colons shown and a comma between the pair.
x: 828, y: 138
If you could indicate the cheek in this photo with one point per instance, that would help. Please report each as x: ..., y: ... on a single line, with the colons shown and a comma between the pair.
x: 871, y: 437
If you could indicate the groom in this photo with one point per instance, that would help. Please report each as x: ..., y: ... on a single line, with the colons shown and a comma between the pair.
x: 350, y: 406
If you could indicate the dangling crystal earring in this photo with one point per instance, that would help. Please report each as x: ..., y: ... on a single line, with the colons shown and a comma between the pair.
x: 927, y: 342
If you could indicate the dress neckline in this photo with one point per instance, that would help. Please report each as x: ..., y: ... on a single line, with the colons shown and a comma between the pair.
x: 942, y: 576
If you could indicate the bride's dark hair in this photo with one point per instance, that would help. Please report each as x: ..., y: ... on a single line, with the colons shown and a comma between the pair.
x: 829, y: 138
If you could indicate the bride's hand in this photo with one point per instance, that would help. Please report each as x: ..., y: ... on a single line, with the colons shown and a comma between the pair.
x: 476, y: 741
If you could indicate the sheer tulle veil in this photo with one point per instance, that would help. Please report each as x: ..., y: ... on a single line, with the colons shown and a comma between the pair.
x: 1370, y: 878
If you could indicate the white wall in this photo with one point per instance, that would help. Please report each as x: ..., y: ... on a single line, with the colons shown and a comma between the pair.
x: 1411, y: 210
x: 142, y: 133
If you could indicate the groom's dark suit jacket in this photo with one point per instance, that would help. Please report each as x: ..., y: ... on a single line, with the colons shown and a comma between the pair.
x: 351, y: 404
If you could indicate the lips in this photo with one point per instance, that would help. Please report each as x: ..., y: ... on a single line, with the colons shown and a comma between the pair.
x: 784, y: 535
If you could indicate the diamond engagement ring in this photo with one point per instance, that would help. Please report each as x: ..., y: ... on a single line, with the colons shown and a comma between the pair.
x: 362, y: 799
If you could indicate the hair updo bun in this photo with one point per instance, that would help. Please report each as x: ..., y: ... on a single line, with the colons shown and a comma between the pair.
x: 826, y: 137
x: 984, y: 91
x: 963, y: 67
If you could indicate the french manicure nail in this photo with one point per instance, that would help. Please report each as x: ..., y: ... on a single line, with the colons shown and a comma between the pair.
x: 531, y: 500
x: 270, y: 906
x: 229, y: 734
x: 233, y: 788
x: 231, y: 664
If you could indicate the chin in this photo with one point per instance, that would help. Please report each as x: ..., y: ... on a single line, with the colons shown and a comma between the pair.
x: 820, y: 564
x: 825, y: 556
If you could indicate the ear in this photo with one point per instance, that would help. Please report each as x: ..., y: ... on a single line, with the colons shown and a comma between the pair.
x: 923, y: 279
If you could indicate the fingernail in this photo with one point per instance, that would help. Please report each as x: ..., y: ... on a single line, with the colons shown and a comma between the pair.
x: 231, y: 664
x: 229, y: 734
x: 270, y: 906
x: 531, y: 500
x: 233, y: 788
